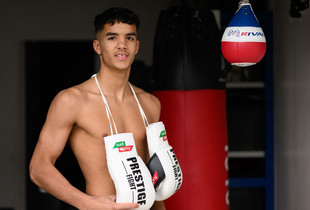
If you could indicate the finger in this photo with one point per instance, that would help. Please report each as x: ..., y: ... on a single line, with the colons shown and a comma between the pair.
x: 112, y: 197
x: 126, y: 205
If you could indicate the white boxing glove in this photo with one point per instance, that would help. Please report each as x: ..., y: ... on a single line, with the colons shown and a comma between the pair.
x: 163, y: 165
x: 132, y: 179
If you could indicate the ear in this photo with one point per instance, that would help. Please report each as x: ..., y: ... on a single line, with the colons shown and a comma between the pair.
x: 96, y: 47
x: 137, y: 49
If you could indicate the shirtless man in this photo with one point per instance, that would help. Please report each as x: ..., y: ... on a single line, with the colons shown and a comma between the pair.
x: 79, y: 114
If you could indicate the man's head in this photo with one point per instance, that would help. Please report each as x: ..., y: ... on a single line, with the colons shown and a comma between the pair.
x: 116, y: 38
x: 115, y: 15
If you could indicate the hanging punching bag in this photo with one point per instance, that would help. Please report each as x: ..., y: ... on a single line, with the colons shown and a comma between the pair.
x: 187, y: 74
x: 243, y: 41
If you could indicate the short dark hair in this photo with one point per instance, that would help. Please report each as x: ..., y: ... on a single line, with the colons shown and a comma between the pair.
x: 115, y: 14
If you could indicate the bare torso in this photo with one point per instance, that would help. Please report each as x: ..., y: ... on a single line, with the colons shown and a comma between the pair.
x: 79, y: 114
x: 92, y: 125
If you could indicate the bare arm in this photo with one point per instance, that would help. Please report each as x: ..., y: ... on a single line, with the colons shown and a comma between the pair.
x: 61, y: 117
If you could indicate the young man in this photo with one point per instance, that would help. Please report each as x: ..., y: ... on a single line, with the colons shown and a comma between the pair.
x: 79, y: 114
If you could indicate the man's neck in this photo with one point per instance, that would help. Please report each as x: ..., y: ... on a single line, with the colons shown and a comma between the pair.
x: 114, y: 82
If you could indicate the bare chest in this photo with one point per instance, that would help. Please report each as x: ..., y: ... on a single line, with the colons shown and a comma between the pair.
x: 93, y: 121
x: 127, y: 118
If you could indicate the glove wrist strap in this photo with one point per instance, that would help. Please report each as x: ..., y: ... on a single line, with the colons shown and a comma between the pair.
x: 109, y: 113
x: 146, y: 123
x: 107, y: 108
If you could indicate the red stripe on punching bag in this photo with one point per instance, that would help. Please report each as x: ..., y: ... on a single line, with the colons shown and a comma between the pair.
x: 196, y: 127
x: 248, y: 52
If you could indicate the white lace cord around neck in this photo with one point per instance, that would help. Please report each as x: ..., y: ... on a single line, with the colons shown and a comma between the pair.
x: 146, y: 123
x: 107, y: 108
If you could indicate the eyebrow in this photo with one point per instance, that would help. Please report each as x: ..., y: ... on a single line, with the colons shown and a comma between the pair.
x: 115, y: 34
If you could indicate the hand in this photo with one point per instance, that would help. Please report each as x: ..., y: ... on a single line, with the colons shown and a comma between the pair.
x: 108, y: 203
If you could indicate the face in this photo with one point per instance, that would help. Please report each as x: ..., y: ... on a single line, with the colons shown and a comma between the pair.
x: 117, y: 45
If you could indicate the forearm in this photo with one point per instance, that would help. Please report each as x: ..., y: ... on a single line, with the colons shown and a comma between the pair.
x: 47, y: 177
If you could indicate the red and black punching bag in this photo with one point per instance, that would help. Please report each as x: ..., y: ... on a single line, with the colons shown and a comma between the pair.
x: 187, y: 81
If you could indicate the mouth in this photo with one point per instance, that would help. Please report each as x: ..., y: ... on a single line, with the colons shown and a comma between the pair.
x: 121, y: 56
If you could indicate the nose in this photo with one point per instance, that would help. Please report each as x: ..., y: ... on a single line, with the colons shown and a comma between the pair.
x: 122, y: 45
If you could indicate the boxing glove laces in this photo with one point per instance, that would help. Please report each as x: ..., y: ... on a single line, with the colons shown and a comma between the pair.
x: 164, y: 166
x: 131, y: 177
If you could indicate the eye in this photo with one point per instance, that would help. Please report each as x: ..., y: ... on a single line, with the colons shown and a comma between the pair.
x: 130, y: 38
x: 111, y: 38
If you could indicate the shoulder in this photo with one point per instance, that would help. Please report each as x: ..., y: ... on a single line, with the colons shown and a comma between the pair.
x: 147, y: 97
x: 68, y: 97
x: 69, y: 102
x: 65, y: 105
x: 73, y: 96
x: 149, y: 102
